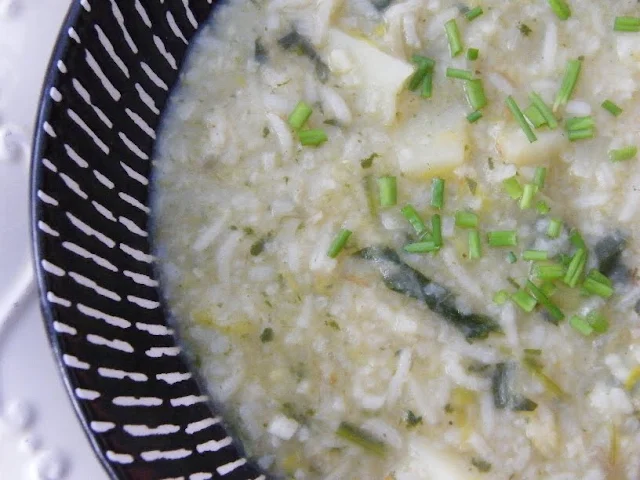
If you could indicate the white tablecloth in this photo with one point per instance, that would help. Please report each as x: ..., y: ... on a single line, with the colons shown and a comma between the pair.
x: 40, y: 437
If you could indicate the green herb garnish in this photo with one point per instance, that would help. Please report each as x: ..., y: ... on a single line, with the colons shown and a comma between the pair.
x: 339, y: 243
x: 453, y: 36
x: 623, y: 154
x: 388, y: 189
x: 502, y: 238
x: 313, y: 137
x: 437, y: 193
x: 569, y: 81
x: 299, y: 115
x: 474, y: 13
x: 560, y: 8
x: 612, y: 108
x: 359, y: 437
x: 517, y: 114
x: 267, y: 335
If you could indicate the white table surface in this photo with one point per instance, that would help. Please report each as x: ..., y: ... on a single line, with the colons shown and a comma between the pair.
x: 40, y: 436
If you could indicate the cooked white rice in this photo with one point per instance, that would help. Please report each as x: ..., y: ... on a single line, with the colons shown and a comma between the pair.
x: 293, y: 343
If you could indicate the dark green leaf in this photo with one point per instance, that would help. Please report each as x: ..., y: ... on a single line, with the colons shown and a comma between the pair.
x: 524, y: 29
x: 412, y: 420
x: 401, y: 278
x: 267, y: 335
x: 368, y: 162
x: 481, y: 464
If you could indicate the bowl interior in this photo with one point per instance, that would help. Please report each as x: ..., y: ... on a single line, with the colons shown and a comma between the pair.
x: 110, y: 75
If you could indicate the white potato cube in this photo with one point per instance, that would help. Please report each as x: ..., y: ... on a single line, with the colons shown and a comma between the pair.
x: 426, y: 152
x: 426, y: 462
x: 374, y: 76
x: 515, y: 148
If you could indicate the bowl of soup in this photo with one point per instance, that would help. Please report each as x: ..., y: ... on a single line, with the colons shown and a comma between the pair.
x: 346, y: 239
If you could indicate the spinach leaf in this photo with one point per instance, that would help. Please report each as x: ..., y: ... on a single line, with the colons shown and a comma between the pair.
x: 401, y: 278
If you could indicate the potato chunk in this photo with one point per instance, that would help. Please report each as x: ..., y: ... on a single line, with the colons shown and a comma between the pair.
x: 514, y: 147
x: 374, y: 77
x: 425, y: 462
x: 426, y: 152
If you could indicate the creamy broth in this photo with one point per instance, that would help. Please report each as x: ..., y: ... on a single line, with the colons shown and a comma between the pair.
x: 383, y: 363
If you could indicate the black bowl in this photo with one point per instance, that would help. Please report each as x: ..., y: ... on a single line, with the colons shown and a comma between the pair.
x: 142, y: 408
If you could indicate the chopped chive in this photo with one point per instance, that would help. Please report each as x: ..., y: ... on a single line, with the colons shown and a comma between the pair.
x: 312, y: 137
x: 299, y: 115
x: 623, y: 154
x: 554, y: 228
x: 388, y: 191
x: 424, y: 67
x: 525, y: 301
x: 575, y: 268
x: 542, y: 208
x: 459, y: 73
x: 355, y: 435
x: 502, y: 238
x: 418, y: 76
x: 475, y: 248
x: 466, y: 219
x: 473, y: 117
x: 513, y: 187
x: 422, y: 247
x: 453, y: 35
x: 569, y: 81
x: 548, y: 288
x: 425, y: 236
x: 560, y: 8
x: 472, y: 54
x: 564, y: 260
x: 576, y: 239
x: 422, y: 60
x: 527, y: 196
x: 437, y: 193
x: 535, y: 117
x: 598, y: 322
x: 542, y: 107
x: 539, y: 177
x: 594, y: 287
x: 545, y: 301
x: 551, y: 271
x: 581, y: 325
x: 511, y: 258
x: 427, y: 85
x: 473, y: 13
x: 583, y: 134
x: 436, y: 229
x: 626, y: 24
x: 475, y: 93
x: 580, y: 123
x: 414, y: 219
x: 599, y: 277
x: 612, y: 108
x: 338, y: 243
x: 501, y: 297
x: 517, y: 114
x: 535, y: 255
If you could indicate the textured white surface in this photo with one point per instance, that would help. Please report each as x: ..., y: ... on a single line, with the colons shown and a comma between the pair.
x: 40, y: 437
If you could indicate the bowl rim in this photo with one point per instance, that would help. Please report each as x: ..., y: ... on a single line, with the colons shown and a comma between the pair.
x: 38, y: 141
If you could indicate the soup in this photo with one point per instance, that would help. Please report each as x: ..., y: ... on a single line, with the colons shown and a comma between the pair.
x: 400, y: 238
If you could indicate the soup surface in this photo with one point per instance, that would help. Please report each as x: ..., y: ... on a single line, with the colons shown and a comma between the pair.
x: 383, y: 268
